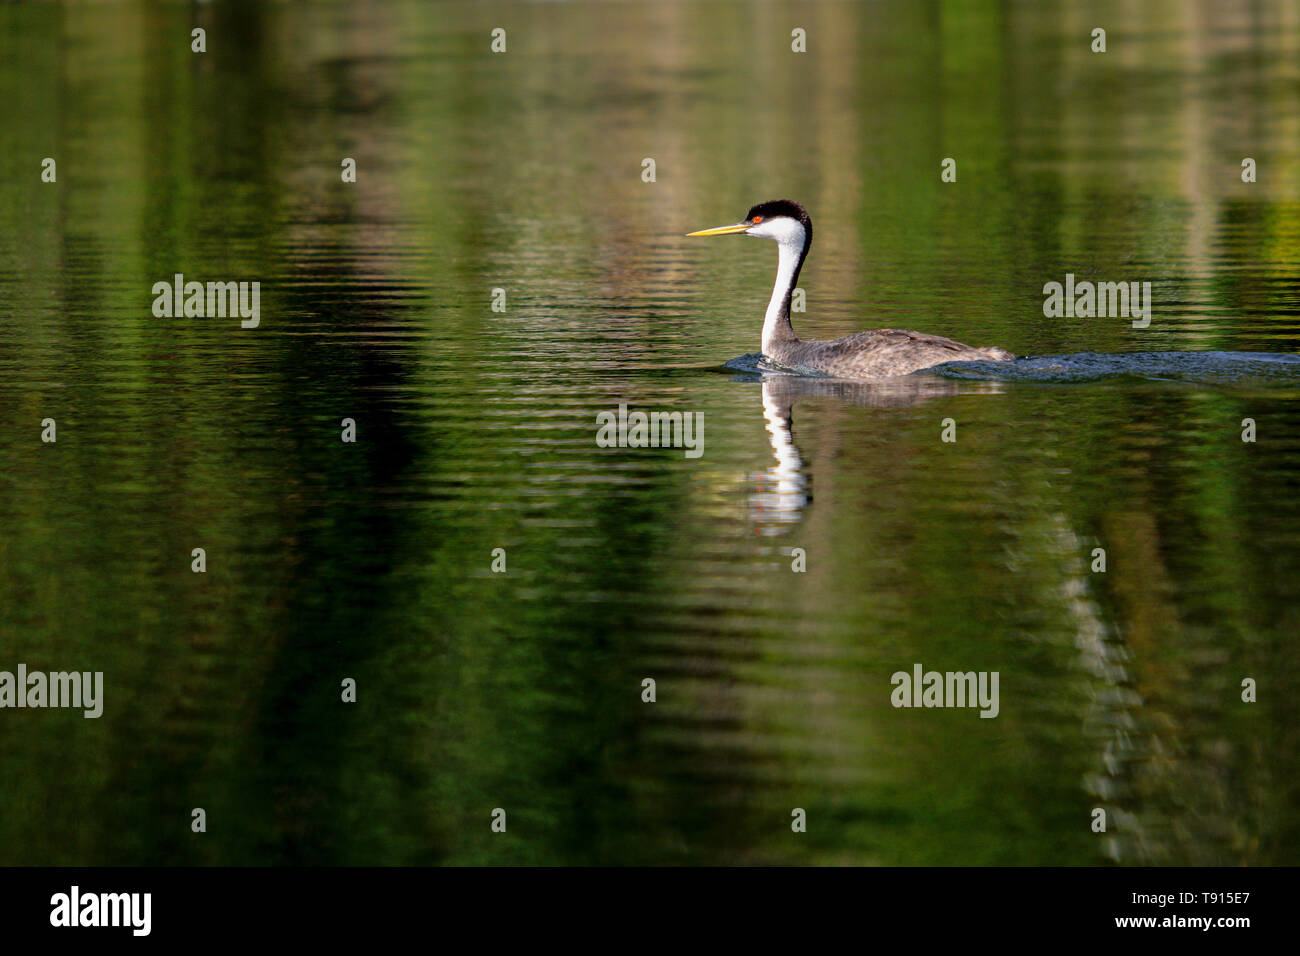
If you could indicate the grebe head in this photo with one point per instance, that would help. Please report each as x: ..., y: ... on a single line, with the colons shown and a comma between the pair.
x: 781, y: 219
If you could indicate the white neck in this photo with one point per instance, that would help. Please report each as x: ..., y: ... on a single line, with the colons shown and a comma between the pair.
x: 789, y: 235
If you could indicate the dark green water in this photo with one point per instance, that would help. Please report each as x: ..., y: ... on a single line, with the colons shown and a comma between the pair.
x: 476, y: 430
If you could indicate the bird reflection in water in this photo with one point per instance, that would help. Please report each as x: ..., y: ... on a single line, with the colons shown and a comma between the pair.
x: 782, y: 492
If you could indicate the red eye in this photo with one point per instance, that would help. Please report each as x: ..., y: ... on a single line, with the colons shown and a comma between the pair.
x: 758, y: 219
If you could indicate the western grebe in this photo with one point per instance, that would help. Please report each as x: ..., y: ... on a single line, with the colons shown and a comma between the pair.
x: 876, y: 354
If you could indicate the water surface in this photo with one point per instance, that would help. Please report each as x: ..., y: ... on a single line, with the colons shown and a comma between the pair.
x: 476, y: 430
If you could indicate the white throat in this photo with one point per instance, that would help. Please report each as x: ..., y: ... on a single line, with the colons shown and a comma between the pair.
x: 789, y: 236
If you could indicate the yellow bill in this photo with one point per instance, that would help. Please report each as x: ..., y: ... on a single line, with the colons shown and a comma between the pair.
x: 720, y: 230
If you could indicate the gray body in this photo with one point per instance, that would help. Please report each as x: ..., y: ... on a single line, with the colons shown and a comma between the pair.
x: 880, y: 353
